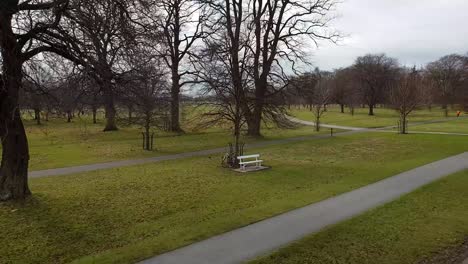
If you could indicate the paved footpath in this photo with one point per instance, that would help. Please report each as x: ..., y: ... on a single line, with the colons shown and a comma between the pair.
x: 308, y: 123
x: 261, y: 238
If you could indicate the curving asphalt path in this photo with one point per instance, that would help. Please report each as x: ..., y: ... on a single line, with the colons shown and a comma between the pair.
x: 261, y: 238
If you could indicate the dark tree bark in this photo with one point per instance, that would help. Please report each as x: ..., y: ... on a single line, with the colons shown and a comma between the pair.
x: 371, y: 109
x: 130, y: 113
x: 15, y: 158
x: 15, y: 151
x: 110, y: 116
x: 69, y: 117
x: 109, y: 105
x: 175, y: 102
x: 37, y: 116
x: 94, y: 115
x: 33, y: 38
x: 342, y: 108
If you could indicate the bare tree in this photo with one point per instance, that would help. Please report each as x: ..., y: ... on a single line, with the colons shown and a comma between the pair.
x: 322, y: 95
x: 223, y: 97
x: 148, y: 92
x: 280, y: 29
x: 407, y: 94
x: 21, y: 24
x: 375, y: 72
x: 264, y: 38
x: 181, y: 24
x: 94, y: 34
x: 92, y: 98
x: 343, y: 90
x: 447, y: 73
x: 300, y: 89
x: 36, y: 88
x: 465, y: 84
x: 69, y: 93
x: 352, y: 97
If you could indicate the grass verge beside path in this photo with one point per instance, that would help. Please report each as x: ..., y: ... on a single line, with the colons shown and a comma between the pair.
x: 127, y: 214
x: 57, y: 144
x: 406, y: 231
x: 383, y: 116
x: 454, y: 126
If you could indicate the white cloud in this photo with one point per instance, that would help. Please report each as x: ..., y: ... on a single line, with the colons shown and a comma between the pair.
x: 413, y: 31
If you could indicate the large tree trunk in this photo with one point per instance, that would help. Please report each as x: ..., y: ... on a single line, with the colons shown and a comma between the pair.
x: 403, y: 124
x: 342, y: 108
x: 446, y: 111
x: 175, y: 99
x: 175, y: 111
x: 37, y: 116
x: 147, y: 144
x: 254, y: 122
x: 15, y: 159
x: 69, y: 116
x: 15, y: 151
x: 130, y: 114
x: 371, y: 109
x: 109, y: 106
x: 94, y: 115
x: 317, y: 123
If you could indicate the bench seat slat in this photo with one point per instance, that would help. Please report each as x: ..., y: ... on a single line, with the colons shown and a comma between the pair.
x: 250, y: 162
x: 249, y: 156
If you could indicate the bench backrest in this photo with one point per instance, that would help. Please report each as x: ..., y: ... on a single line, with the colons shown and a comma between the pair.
x: 248, y: 157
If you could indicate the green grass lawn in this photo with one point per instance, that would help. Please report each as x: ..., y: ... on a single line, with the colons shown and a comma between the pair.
x: 454, y: 126
x: 406, y: 231
x: 127, y: 214
x: 383, y: 116
x: 58, y: 144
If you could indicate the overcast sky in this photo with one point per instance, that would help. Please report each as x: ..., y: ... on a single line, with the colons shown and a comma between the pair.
x: 413, y: 31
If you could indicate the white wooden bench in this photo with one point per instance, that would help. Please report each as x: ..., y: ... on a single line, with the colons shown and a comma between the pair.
x: 244, y: 161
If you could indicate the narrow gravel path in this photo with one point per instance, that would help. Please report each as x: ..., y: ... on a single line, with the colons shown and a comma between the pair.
x: 255, y: 240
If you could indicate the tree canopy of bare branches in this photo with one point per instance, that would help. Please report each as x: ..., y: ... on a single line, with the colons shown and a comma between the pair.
x: 407, y: 94
x: 448, y: 75
x: 262, y: 37
x: 375, y: 73
x: 22, y: 23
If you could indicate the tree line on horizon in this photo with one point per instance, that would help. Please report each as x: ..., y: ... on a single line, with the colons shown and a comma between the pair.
x: 376, y: 79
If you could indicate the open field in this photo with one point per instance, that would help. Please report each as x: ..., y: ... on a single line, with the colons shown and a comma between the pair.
x: 58, y: 144
x: 453, y: 126
x: 406, y: 231
x: 383, y: 116
x: 123, y: 215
